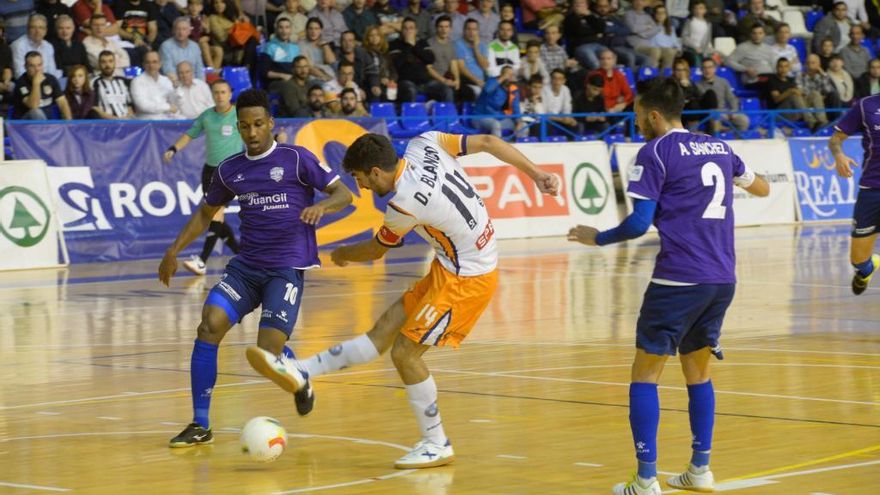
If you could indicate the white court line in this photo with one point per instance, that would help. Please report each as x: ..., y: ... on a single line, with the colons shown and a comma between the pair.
x: 715, y: 365
x: 668, y: 473
x: 110, y: 418
x: 590, y: 464
x: 350, y: 483
x: 482, y: 421
x: 47, y: 413
x: 508, y: 456
x: 34, y: 487
x: 630, y: 345
x: 821, y: 470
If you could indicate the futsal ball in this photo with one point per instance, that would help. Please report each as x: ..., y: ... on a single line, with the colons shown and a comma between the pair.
x: 263, y: 439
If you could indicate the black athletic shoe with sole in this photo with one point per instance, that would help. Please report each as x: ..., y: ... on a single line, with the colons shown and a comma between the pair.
x: 305, y: 399
x: 194, y: 434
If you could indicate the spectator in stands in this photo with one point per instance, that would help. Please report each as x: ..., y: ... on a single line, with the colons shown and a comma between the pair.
x: 364, y: 75
x: 834, y: 25
x: 722, y: 20
x: 584, y: 32
x: 842, y: 80
x: 358, y: 18
x: 723, y: 94
x: 643, y: 29
x: 112, y: 97
x: 553, y: 55
x: 153, y: 93
x: 678, y: 11
x: 593, y: 102
x: 36, y: 91
x: 78, y: 94
x: 34, y: 41
x: 319, y: 52
x: 6, y: 83
x: 855, y: 56
x: 349, y: 106
x: 333, y: 23
x: 532, y: 106
x: 379, y: 68
x: 666, y: 40
x: 507, y: 13
x: 98, y: 42
x: 503, y: 51
x: 818, y: 88
x: 179, y: 48
x: 82, y: 12
x: 193, y: 95
x: 139, y: 26
x: 532, y: 64
x: 615, y: 88
x: 786, y: 95
x: 52, y: 10
x: 389, y: 19
x: 488, y: 20
x: 696, y: 35
x: 424, y: 21
x: 344, y: 79
x: 757, y: 16
x: 538, y: 14
x: 315, y: 107
x: 225, y: 15
x: 445, y: 66
x: 500, y: 96
x: 450, y: 8
x: 694, y: 99
x: 753, y: 59
x: 615, y: 37
x: 279, y: 53
x: 68, y: 51
x: 869, y: 83
x: 472, y: 53
x: 783, y: 49
x: 557, y: 100
x: 296, y: 18
x: 167, y: 13
x: 295, y: 91
x: 858, y: 14
x: 212, y: 55
x: 411, y: 58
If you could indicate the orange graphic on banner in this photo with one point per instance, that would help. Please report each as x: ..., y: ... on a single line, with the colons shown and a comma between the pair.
x: 509, y: 193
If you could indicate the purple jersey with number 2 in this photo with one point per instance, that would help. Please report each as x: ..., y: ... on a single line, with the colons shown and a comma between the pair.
x: 273, y: 189
x: 690, y: 176
x: 864, y: 117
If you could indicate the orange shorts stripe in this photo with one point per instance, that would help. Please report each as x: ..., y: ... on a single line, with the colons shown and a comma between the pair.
x: 443, y: 307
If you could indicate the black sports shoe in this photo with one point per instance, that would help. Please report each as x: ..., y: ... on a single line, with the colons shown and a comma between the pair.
x: 193, y: 434
x: 305, y: 399
x: 860, y: 283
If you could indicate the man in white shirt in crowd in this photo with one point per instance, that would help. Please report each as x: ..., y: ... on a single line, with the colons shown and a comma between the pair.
x: 557, y: 99
x: 153, y: 93
x: 193, y: 94
x: 98, y: 42
x: 34, y: 41
x: 503, y: 51
x: 488, y: 19
x: 783, y: 50
x: 179, y: 48
x: 112, y: 97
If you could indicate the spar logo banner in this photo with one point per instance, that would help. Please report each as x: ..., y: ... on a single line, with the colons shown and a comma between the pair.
x: 117, y: 200
x: 517, y: 207
x: 822, y: 194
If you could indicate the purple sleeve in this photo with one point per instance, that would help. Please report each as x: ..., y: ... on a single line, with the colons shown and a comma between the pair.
x: 739, y: 167
x: 313, y: 173
x: 851, y: 123
x: 647, y: 175
x: 218, y: 194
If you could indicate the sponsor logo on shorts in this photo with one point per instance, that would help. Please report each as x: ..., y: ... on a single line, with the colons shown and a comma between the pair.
x: 229, y: 290
x: 865, y: 230
x: 267, y: 313
x: 282, y: 315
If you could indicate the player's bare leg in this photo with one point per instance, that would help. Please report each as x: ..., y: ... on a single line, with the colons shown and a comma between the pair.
x: 701, y: 408
x: 203, y: 376
x: 864, y: 261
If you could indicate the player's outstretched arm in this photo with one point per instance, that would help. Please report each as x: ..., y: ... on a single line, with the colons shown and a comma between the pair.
x: 633, y: 226
x: 495, y: 146
x: 198, y: 223
x: 759, y: 187
x: 339, y: 198
x: 177, y: 146
x: 844, y: 163
x: 360, y: 252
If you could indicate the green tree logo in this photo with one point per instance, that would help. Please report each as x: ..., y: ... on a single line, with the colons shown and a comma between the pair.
x: 589, y: 189
x: 24, y: 218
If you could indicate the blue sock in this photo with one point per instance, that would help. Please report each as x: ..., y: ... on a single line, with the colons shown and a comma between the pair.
x: 203, y: 376
x: 701, y: 408
x: 865, y: 268
x: 644, y: 417
x: 289, y: 353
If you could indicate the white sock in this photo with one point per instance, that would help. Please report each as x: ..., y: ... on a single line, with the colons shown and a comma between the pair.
x: 358, y: 350
x: 423, y: 400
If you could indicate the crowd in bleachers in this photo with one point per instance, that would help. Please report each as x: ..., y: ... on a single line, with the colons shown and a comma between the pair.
x: 512, y: 61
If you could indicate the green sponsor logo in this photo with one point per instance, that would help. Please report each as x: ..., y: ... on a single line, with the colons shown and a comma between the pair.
x: 590, y: 189
x: 24, y: 218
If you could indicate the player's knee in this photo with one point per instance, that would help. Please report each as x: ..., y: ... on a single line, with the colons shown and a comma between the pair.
x: 208, y: 332
x: 402, y: 355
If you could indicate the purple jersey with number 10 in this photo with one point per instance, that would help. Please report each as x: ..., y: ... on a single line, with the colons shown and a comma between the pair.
x: 690, y: 176
x: 273, y: 189
x: 864, y: 117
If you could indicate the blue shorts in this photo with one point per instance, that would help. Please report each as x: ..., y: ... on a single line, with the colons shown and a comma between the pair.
x: 866, y: 213
x: 682, y: 318
x: 243, y: 287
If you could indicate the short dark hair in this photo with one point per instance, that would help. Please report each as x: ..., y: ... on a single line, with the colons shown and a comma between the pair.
x: 533, y: 43
x: 507, y: 22
x: 536, y: 78
x: 757, y: 26
x: 221, y: 81
x: 471, y: 21
x: 106, y: 53
x: 313, y: 20
x: 557, y: 71
x: 368, y: 151
x: 253, y: 98
x: 596, y: 81
x: 32, y: 54
x: 346, y: 91
x: 663, y: 95
x: 314, y: 87
x: 344, y: 63
x: 409, y: 19
x: 836, y: 56
x: 300, y: 57
x: 442, y: 18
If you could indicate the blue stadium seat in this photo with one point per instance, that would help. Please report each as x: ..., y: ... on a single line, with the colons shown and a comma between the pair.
x: 527, y: 139
x: 825, y: 131
x: 237, y: 77
x: 730, y: 75
x: 628, y: 73
x: 696, y: 74
x: 445, y: 115
x: 615, y: 138
x: 400, y: 146
x: 646, y: 73
x: 638, y: 138
x: 587, y: 137
x: 667, y: 72
x: 800, y: 45
x: 132, y: 71
x: 386, y: 111
x: 415, y: 118
x: 750, y: 104
x: 867, y: 44
x: 727, y: 136
x: 812, y: 18
x: 800, y: 132
x: 556, y: 139
x: 751, y: 134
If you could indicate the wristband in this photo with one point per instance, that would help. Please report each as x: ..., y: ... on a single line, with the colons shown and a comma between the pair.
x: 173, y: 149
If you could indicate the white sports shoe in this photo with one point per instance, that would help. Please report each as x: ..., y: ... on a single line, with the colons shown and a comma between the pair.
x: 688, y: 480
x: 634, y: 488
x: 426, y: 454
x: 195, y: 265
x: 279, y: 369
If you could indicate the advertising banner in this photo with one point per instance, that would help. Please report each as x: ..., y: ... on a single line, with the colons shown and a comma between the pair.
x: 822, y: 194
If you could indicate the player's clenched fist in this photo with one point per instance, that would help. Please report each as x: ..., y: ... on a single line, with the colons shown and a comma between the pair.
x: 583, y: 234
x: 337, y: 258
x: 548, y: 183
x: 167, y: 268
x: 312, y: 214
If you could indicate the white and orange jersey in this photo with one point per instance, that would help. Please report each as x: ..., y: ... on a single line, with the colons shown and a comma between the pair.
x: 434, y: 196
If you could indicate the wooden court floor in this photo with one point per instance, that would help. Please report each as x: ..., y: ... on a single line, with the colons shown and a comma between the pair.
x: 94, y: 367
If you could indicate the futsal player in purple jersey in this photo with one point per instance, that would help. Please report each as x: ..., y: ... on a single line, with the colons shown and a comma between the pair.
x: 863, y: 117
x: 275, y: 185
x: 683, y: 183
